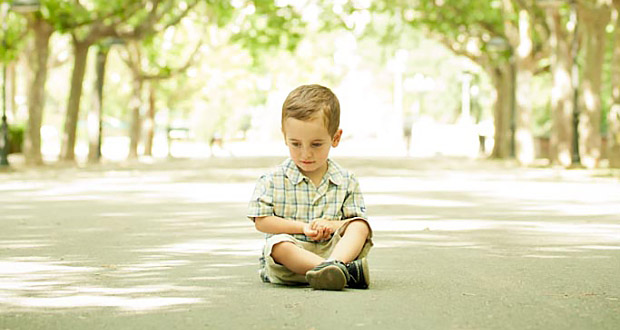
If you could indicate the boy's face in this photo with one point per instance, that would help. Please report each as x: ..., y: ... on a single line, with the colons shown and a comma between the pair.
x: 309, y: 143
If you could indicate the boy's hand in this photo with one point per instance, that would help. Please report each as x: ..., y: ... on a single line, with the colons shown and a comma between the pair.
x: 318, y: 234
x: 308, y: 231
x: 324, y: 229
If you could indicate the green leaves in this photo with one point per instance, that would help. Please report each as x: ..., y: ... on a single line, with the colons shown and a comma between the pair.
x: 262, y: 26
x: 11, y: 36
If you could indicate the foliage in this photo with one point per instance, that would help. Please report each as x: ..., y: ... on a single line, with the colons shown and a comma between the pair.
x: 16, y: 138
x: 11, y: 36
x: 541, y: 107
x: 262, y: 25
x: 253, y: 49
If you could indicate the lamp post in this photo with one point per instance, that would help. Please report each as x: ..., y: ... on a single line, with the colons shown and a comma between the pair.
x: 18, y: 6
x: 466, y: 80
x: 574, y: 50
x: 4, y: 152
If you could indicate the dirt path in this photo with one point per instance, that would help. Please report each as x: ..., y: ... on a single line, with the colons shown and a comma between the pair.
x: 459, y: 244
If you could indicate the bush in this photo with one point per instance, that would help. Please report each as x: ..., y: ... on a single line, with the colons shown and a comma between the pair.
x: 16, y: 138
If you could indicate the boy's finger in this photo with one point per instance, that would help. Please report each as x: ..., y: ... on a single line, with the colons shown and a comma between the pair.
x: 311, y: 232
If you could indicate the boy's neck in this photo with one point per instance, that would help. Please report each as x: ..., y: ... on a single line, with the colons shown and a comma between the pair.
x: 317, y: 176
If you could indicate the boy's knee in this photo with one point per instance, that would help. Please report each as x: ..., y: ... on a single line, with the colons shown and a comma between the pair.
x: 360, y: 226
x: 281, y: 247
x: 281, y: 251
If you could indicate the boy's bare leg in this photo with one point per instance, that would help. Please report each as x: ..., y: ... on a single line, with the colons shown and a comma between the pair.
x: 352, y: 242
x: 295, y: 258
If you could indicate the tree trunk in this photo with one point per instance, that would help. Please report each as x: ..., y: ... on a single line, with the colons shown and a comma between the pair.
x: 561, y: 92
x: 524, y: 140
x: 593, y: 18
x: 95, y: 115
x: 11, y: 88
x: 36, y: 93
x: 503, y: 82
x: 613, y: 121
x: 135, y: 129
x: 149, y: 124
x: 73, y: 106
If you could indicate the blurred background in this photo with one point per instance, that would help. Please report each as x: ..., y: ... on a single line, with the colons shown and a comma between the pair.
x: 89, y: 81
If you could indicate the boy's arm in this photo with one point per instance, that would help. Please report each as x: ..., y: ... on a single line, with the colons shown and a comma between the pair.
x: 277, y: 225
x: 334, y: 225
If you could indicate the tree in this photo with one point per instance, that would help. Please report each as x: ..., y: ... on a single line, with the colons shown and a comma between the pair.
x: 593, y: 15
x: 136, y: 61
x: 473, y: 29
x: 261, y: 26
x: 614, y: 112
x: 95, y: 116
x: 86, y: 26
x: 12, y: 38
x: 468, y: 27
x: 562, y: 92
x: 109, y: 19
x: 157, y: 22
x: 528, y: 39
x: 460, y: 27
x: 36, y: 98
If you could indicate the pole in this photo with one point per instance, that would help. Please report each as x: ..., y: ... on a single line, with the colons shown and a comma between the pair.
x: 4, y: 159
x: 575, y: 159
x: 466, y: 79
x: 513, y: 105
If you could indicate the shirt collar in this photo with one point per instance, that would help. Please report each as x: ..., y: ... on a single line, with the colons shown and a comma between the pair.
x: 334, y: 173
x: 292, y: 172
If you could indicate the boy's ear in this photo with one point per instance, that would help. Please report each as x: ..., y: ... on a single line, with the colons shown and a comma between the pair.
x: 336, y: 138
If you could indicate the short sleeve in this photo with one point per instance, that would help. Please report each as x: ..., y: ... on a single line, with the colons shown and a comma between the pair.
x: 353, y: 206
x: 261, y: 204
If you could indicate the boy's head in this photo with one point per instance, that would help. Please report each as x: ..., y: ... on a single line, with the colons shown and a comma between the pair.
x: 310, y: 123
x: 307, y: 101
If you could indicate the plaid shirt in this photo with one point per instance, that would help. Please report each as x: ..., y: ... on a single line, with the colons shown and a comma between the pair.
x: 287, y: 193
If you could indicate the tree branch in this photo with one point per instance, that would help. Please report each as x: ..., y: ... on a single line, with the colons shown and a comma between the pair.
x: 174, y: 72
x: 177, y: 19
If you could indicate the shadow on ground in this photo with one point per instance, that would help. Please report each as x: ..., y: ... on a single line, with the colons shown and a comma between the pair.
x: 458, y: 244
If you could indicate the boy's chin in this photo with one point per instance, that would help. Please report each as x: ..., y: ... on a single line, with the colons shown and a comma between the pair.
x: 305, y: 167
x: 308, y: 167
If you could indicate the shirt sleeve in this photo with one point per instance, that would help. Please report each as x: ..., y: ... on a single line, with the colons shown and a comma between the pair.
x: 353, y: 206
x: 261, y: 204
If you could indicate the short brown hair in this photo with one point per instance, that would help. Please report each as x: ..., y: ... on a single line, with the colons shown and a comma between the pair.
x: 306, y: 100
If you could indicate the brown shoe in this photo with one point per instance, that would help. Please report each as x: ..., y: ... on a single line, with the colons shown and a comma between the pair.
x: 329, y: 275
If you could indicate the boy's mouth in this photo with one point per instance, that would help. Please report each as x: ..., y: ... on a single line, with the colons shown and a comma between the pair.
x: 305, y: 162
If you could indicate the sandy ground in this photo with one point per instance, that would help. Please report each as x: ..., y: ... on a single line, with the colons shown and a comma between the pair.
x: 459, y: 244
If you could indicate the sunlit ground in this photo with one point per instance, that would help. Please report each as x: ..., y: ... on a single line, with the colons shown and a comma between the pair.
x: 172, y: 235
x: 429, y: 138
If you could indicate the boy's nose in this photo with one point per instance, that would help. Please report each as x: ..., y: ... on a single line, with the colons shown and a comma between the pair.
x: 307, y: 152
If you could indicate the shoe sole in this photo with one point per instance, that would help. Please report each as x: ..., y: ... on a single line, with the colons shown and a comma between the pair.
x: 328, y: 278
x: 366, y: 272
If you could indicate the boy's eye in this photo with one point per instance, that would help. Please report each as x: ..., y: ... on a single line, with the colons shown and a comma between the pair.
x: 295, y: 144
x: 316, y: 145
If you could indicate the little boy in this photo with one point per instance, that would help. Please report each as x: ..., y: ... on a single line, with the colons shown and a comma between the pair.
x: 310, y: 208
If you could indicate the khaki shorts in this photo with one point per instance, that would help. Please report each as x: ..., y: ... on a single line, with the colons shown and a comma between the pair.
x: 273, y: 272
